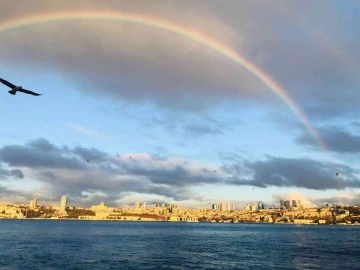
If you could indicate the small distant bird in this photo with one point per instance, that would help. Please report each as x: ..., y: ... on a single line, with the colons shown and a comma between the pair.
x: 337, y: 174
x: 214, y: 171
x: 130, y: 156
x: 15, y: 88
x: 87, y: 161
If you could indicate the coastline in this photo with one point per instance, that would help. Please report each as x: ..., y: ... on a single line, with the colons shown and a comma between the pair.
x: 118, y: 220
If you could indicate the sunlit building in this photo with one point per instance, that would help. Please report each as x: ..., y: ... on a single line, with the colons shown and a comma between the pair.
x: 33, y: 203
x: 282, y: 203
x: 101, y: 208
x: 287, y: 204
x: 223, y: 206
x: 260, y: 205
x: 63, y: 204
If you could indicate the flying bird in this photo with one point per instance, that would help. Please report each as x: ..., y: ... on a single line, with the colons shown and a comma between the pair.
x: 15, y: 88
x: 337, y: 174
x: 87, y: 161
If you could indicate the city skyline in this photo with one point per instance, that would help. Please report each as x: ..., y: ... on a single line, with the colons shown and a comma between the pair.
x: 186, y: 103
x: 220, y: 206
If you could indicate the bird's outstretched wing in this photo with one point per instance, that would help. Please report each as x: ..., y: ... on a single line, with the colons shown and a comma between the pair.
x: 8, y: 84
x: 29, y: 92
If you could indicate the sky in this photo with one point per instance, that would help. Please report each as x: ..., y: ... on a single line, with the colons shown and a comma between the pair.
x: 173, y: 116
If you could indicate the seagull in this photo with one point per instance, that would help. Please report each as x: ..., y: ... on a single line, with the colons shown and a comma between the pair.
x: 15, y: 88
x: 337, y: 174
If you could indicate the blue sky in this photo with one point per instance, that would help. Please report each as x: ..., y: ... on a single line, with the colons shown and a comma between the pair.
x: 199, y: 128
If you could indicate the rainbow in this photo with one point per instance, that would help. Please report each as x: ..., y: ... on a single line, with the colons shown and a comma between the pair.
x: 176, y: 29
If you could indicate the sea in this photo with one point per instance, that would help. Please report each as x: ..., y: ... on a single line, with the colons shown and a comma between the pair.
x: 73, y: 244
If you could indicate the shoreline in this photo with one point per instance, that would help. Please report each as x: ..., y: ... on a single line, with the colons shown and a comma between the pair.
x: 75, y: 219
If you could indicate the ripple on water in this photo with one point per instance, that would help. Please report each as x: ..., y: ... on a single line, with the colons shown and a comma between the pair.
x: 140, y: 245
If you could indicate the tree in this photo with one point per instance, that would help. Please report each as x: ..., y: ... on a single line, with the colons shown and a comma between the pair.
x: 75, y: 213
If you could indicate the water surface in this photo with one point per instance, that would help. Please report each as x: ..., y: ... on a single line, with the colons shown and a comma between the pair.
x: 57, y: 244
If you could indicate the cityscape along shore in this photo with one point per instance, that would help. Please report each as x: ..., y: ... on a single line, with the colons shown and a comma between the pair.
x: 286, y: 213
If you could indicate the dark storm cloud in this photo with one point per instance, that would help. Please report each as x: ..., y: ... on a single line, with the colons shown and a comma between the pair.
x: 38, y: 153
x: 92, y: 154
x: 6, y: 173
x: 304, y: 45
x: 9, y: 192
x: 41, y: 153
x: 64, y: 170
x: 337, y: 139
x: 291, y: 172
x: 43, y: 145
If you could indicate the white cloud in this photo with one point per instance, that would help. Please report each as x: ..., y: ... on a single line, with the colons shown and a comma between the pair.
x: 293, y: 195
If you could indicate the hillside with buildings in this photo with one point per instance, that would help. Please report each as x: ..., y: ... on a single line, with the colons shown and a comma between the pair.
x: 293, y: 213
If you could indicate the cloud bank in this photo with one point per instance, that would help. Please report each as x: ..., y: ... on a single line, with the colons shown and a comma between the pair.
x: 65, y: 170
x: 338, y: 139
